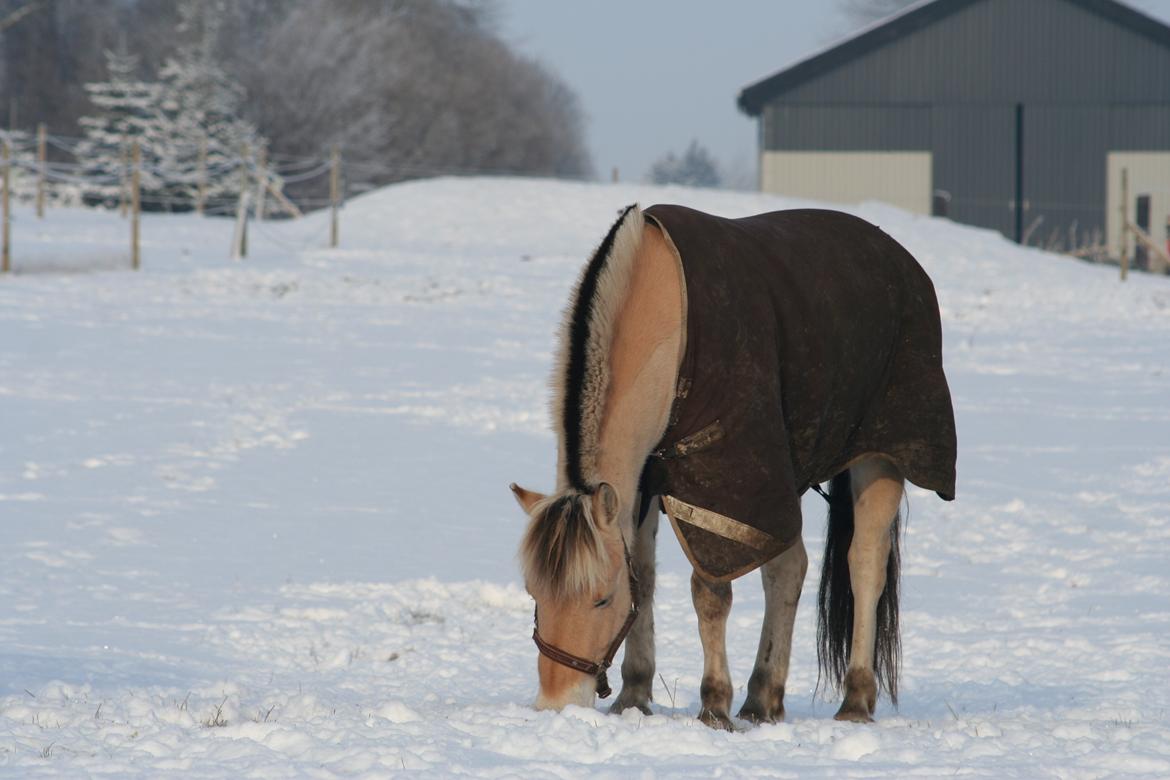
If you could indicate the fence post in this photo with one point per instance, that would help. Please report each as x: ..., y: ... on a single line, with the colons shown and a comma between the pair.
x: 334, y: 192
x: 244, y: 204
x: 240, y: 236
x: 124, y: 179
x: 41, y: 141
x: 135, y: 202
x: 5, y: 160
x: 261, y: 181
x: 201, y: 198
x: 1124, y: 223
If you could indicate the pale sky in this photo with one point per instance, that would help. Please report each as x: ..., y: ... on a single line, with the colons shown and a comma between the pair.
x: 654, y: 74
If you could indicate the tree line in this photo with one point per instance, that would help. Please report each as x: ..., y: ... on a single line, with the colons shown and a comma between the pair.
x: 406, y: 87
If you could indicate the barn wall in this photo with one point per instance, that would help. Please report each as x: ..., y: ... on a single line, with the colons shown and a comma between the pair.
x: 899, y: 178
x: 1088, y: 86
x: 974, y: 163
x: 1149, y: 174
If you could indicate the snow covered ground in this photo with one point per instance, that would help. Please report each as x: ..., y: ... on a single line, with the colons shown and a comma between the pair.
x: 256, y: 524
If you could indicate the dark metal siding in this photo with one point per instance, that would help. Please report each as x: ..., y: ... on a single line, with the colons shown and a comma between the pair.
x: 1065, y: 147
x: 1138, y: 127
x: 847, y: 128
x: 1088, y: 86
x: 1004, y: 51
x: 974, y: 161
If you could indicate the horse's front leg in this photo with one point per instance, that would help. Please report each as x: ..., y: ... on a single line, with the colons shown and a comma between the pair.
x: 783, y: 578
x: 638, y: 663
x: 712, y: 602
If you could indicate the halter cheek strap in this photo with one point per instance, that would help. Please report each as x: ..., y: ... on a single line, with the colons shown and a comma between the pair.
x: 593, y: 668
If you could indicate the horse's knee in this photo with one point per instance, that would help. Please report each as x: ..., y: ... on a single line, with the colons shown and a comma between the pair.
x: 712, y: 600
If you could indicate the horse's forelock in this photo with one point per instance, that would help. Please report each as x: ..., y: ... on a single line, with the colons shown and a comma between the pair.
x: 563, y: 552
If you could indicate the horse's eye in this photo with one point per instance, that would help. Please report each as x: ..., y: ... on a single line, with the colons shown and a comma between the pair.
x: 603, y: 602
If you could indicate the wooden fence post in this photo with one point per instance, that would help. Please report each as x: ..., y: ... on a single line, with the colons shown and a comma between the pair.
x: 5, y: 160
x: 1124, y: 223
x: 244, y: 198
x: 240, y: 235
x: 135, y: 202
x: 288, y: 205
x: 201, y: 198
x: 124, y: 179
x: 334, y: 192
x: 1142, y: 237
x: 41, y: 163
x: 261, y: 181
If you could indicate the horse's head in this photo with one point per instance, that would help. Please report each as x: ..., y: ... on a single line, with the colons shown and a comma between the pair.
x: 575, y: 567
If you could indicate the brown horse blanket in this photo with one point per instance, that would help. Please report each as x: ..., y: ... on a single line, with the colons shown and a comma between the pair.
x: 812, y: 339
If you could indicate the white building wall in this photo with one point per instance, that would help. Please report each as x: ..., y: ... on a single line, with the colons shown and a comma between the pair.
x: 1149, y: 174
x: 901, y: 179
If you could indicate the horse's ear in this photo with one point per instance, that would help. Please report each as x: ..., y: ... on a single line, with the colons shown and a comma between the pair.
x: 607, y: 502
x: 525, y: 498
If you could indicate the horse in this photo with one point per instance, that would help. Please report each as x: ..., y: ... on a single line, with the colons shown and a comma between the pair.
x: 715, y: 369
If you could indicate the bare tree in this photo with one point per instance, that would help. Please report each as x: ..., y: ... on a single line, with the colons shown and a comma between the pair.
x: 424, y: 87
x: 695, y: 168
x: 15, y: 16
x: 408, y: 87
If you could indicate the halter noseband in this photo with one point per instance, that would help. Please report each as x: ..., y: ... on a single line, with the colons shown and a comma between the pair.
x: 593, y: 668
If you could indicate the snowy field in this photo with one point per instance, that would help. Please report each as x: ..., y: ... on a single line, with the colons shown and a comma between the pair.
x: 256, y: 520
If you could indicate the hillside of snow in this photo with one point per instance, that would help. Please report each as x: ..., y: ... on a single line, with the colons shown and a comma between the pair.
x: 256, y: 520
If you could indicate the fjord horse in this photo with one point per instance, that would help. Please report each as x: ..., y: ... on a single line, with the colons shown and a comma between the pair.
x: 811, y: 385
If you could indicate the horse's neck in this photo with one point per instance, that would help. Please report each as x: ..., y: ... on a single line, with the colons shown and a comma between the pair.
x: 643, y: 364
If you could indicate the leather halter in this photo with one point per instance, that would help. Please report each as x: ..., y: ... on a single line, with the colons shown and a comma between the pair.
x: 593, y: 668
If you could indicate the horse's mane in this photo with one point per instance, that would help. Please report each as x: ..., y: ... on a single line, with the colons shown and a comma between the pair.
x: 563, y: 552
x: 581, y: 374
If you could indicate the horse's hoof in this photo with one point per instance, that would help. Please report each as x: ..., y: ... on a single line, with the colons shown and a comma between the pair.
x: 853, y: 714
x: 755, y: 714
x: 716, y: 720
x: 621, y: 705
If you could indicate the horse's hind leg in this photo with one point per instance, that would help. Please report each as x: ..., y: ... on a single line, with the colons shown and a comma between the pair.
x: 783, y: 578
x: 638, y: 664
x: 877, y: 493
x: 712, y: 602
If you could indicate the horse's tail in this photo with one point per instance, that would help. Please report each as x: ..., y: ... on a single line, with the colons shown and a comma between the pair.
x: 835, y: 597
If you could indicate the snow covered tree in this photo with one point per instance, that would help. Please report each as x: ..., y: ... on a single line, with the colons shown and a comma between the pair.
x: 193, y: 108
x: 21, y: 151
x: 202, y: 104
x: 696, y: 168
x: 129, y: 109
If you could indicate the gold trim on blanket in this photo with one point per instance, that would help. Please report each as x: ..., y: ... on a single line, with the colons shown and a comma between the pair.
x: 718, y: 524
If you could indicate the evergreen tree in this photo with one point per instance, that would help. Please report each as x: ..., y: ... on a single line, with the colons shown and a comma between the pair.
x: 194, y: 106
x: 202, y: 104
x: 21, y: 159
x: 130, y: 109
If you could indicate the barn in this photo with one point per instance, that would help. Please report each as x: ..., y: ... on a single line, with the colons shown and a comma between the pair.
x: 1016, y: 115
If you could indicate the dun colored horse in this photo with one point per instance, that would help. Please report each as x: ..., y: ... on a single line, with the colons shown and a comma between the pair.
x: 717, y: 369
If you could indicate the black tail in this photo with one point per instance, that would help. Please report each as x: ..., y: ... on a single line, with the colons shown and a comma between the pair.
x: 835, y: 598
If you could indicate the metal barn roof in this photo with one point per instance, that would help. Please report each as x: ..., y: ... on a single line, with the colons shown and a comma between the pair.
x: 916, y: 17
